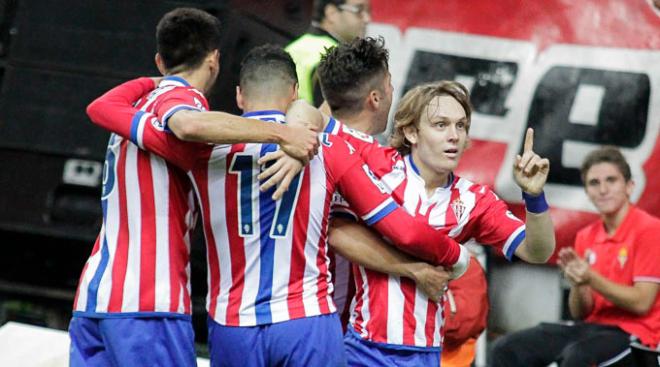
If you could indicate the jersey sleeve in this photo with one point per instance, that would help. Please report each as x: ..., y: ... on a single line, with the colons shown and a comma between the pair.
x: 114, y: 111
x: 647, y: 253
x: 494, y: 224
x: 370, y: 200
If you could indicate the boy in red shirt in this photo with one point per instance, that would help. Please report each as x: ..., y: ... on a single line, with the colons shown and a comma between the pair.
x: 614, y: 276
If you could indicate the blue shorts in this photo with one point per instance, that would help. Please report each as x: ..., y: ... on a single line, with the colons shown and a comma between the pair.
x: 364, y: 353
x: 156, y: 341
x: 310, y: 341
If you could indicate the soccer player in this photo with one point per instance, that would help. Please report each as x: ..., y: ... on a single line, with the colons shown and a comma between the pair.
x: 614, y: 277
x: 133, y: 306
x: 389, y: 317
x: 269, y: 286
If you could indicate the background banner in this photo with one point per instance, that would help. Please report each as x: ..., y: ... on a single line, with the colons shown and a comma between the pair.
x: 582, y: 74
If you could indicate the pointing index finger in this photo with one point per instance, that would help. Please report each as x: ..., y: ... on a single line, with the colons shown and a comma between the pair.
x: 529, y: 140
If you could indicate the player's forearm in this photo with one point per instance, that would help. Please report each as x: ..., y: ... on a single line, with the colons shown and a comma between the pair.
x: 539, y: 238
x: 418, y: 238
x: 362, y: 246
x: 580, y: 302
x: 637, y: 299
x: 223, y: 128
x: 113, y: 111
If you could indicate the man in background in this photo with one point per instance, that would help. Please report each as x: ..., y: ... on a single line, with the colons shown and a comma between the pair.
x: 614, y: 277
x: 333, y: 21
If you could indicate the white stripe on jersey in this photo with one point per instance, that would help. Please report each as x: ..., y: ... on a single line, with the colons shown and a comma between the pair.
x: 364, y: 310
x: 140, y: 128
x: 509, y: 241
x: 394, y: 310
x: 420, y: 310
x: 161, y: 189
x: 377, y: 210
x: 92, y: 264
x: 131, y: 296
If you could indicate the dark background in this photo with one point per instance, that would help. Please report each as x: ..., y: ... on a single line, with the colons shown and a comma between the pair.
x: 56, y: 56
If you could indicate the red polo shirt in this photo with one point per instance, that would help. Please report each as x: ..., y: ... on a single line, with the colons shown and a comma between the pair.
x: 631, y: 255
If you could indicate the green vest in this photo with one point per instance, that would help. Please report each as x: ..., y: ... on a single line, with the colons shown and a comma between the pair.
x: 306, y: 52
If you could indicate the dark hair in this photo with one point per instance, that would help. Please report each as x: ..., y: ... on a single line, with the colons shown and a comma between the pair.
x: 607, y: 154
x: 318, y: 9
x: 349, y: 71
x: 266, y: 64
x: 412, y: 105
x: 185, y: 36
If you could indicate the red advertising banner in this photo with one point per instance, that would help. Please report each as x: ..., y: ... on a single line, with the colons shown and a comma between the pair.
x: 581, y: 73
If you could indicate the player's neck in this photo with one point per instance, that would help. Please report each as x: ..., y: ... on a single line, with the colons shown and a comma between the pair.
x: 432, y: 179
x: 612, y: 221
x: 360, y: 122
x: 196, y: 78
x: 263, y: 105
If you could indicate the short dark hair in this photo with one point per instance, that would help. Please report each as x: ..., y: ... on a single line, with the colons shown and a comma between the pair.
x: 185, y: 36
x: 606, y: 154
x: 318, y: 9
x: 266, y: 64
x: 348, y: 72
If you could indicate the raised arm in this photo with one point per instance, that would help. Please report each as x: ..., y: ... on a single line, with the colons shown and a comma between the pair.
x: 531, y: 172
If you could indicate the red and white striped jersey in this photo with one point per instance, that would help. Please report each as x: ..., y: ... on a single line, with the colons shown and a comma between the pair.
x: 139, y: 265
x: 390, y: 309
x: 267, y: 260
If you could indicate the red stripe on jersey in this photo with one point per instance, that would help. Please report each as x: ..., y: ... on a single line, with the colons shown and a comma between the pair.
x: 378, y: 297
x: 429, y: 330
x: 148, y: 233
x: 297, y: 272
x: 121, y: 253
x: 177, y: 250
x: 450, y: 218
x: 211, y: 248
x: 321, y: 257
x: 236, y: 242
x: 409, y: 323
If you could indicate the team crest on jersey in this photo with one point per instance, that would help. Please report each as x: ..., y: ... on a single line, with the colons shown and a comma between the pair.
x: 458, y: 206
x: 590, y: 256
x: 622, y: 257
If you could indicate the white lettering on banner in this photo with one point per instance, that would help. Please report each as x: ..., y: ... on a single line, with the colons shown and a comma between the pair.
x: 576, y: 97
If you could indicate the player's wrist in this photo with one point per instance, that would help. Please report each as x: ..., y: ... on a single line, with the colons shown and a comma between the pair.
x: 535, y: 203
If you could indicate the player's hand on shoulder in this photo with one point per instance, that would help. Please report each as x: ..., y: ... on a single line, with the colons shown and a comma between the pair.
x: 300, y: 142
x: 530, y: 170
x: 280, y: 173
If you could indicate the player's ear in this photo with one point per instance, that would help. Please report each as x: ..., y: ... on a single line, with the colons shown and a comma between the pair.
x: 160, y: 64
x: 295, y: 92
x: 373, y: 99
x: 239, y: 97
x: 410, y: 132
